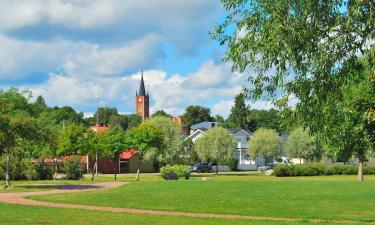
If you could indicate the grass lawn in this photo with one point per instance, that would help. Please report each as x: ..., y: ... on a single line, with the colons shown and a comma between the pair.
x: 15, y: 214
x: 332, y: 197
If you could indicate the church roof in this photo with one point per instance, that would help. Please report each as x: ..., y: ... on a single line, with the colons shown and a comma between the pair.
x: 142, y: 91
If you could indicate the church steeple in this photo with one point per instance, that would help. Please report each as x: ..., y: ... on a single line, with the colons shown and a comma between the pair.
x: 142, y: 100
x: 142, y: 91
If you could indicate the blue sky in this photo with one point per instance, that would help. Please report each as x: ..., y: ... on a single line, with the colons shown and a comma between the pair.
x: 68, y: 51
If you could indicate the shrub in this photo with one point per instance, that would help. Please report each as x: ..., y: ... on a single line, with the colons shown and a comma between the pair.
x: 318, y: 169
x: 179, y: 170
x: 73, y: 169
x: 43, y: 171
x: 231, y: 163
x: 284, y: 170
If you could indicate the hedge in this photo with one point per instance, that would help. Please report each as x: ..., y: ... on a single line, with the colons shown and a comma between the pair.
x: 179, y: 170
x: 318, y: 169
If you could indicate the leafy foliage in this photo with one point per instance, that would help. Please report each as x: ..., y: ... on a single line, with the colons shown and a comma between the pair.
x: 172, y: 141
x: 308, y: 50
x: 179, y: 170
x: 215, y: 145
x: 301, y: 145
x: 73, y: 169
x: 316, y: 169
x: 264, y: 143
x: 195, y: 114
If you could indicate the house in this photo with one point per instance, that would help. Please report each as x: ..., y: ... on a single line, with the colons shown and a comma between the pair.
x: 240, y: 152
x: 203, y: 126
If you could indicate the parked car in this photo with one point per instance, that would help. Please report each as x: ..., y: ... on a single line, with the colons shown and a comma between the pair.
x: 200, y: 167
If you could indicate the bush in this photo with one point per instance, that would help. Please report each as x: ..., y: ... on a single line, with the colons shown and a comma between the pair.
x: 318, y: 169
x: 73, y: 169
x: 43, y: 171
x: 179, y: 170
x: 231, y: 163
x: 16, y: 168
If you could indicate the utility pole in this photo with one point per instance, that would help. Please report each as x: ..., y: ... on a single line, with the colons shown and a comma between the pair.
x: 97, y: 123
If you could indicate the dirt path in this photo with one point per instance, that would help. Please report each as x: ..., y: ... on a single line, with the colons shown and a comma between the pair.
x: 19, y: 198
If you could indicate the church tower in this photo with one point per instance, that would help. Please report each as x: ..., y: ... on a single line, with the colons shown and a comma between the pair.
x: 142, y: 101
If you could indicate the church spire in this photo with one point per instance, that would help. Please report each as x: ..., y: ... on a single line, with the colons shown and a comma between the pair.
x: 142, y: 91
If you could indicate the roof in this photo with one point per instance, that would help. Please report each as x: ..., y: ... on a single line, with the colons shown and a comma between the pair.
x: 142, y: 90
x: 204, y: 125
x: 99, y: 128
x: 194, y: 134
x: 236, y: 130
x: 128, y: 154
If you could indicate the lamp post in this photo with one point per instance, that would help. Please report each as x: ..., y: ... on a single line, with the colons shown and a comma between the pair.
x: 97, y: 123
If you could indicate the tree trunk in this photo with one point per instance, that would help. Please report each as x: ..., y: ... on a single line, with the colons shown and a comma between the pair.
x: 138, y: 170
x: 93, y: 171
x: 55, y: 168
x: 7, y: 176
x: 114, y: 169
x: 360, y: 167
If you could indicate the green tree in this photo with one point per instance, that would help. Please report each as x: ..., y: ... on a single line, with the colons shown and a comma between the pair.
x: 301, y: 145
x: 109, y: 144
x: 161, y: 113
x: 265, y: 143
x: 172, y: 138
x: 144, y: 138
x: 265, y: 118
x: 105, y: 114
x: 16, y: 125
x: 71, y: 140
x: 238, y: 117
x: 219, y: 119
x: 195, y: 114
x: 350, y: 126
x: 189, y: 154
x: 134, y: 120
x: 39, y: 105
x: 215, y: 145
x: 300, y: 49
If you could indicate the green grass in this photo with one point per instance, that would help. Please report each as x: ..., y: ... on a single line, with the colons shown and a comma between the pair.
x: 15, y: 214
x: 333, y: 197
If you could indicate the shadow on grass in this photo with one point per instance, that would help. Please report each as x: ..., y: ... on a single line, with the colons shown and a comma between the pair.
x: 59, y: 186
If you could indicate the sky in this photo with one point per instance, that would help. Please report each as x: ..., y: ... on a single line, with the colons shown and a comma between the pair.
x: 70, y: 51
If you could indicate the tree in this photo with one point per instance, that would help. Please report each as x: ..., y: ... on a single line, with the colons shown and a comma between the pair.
x: 299, y: 49
x: 264, y: 118
x: 72, y: 140
x: 39, y: 105
x: 144, y: 138
x: 172, y: 141
x: 350, y: 127
x: 301, y: 145
x: 215, y: 145
x: 105, y: 115
x: 134, y: 120
x: 219, y: 119
x: 110, y: 144
x: 195, y: 114
x: 264, y: 143
x: 239, y: 113
x: 161, y: 113
x: 16, y: 125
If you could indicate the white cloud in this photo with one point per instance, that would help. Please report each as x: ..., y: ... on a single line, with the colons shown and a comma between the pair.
x: 222, y: 108
x: 21, y: 58
x: 169, y: 93
x: 96, y: 61
x: 175, y: 21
